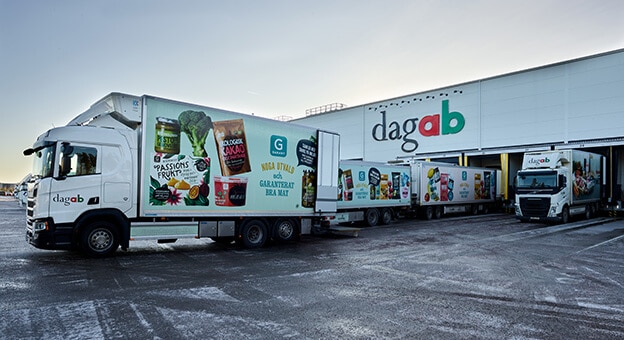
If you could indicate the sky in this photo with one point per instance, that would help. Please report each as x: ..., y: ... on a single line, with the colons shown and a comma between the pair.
x: 267, y: 57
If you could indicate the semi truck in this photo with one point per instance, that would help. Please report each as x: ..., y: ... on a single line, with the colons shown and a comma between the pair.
x: 439, y: 188
x: 143, y: 167
x: 554, y: 185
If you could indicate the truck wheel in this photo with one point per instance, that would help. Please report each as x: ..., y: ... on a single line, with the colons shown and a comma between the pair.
x: 565, y: 215
x: 372, y: 217
x: 253, y: 233
x: 475, y: 209
x: 285, y: 230
x: 386, y: 216
x: 438, y: 212
x: 99, y: 239
x: 588, y: 212
x: 428, y: 213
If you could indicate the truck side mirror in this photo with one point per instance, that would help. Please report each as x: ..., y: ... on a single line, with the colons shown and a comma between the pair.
x: 65, y: 166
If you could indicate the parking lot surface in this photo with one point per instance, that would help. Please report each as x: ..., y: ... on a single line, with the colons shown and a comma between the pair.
x: 484, y: 276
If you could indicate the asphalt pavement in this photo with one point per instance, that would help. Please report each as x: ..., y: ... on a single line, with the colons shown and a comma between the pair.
x: 459, y: 277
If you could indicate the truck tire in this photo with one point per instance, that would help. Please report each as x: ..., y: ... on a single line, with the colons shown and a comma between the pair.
x: 372, y: 217
x: 438, y: 212
x: 428, y: 213
x: 253, y: 233
x: 99, y: 239
x: 475, y: 209
x: 565, y: 215
x: 285, y: 230
x: 386, y: 216
x: 588, y: 212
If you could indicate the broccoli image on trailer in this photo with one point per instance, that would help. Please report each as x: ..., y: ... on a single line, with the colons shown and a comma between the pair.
x: 196, y: 125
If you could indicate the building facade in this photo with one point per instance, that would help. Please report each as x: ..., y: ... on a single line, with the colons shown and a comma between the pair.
x: 576, y: 104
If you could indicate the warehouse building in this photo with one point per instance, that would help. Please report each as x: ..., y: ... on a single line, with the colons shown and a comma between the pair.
x: 492, y: 122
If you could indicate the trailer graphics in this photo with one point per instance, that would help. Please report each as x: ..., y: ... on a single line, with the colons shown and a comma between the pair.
x: 360, y: 184
x: 441, y: 183
x: 237, y: 169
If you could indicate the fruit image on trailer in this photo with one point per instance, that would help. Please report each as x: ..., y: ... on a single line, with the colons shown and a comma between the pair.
x: 371, y: 192
x: 452, y: 189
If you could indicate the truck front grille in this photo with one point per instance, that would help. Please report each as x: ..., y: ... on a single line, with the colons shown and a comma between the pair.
x: 534, y: 206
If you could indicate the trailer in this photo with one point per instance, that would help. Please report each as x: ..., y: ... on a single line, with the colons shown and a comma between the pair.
x: 143, y: 167
x: 375, y: 193
x: 443, y: 188
x: 554, y: 185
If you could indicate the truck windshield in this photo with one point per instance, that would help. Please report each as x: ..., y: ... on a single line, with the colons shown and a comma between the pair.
x: 537, y: 181
x: 43, y: 164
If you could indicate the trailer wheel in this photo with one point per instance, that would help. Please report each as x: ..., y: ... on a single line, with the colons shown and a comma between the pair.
x: 475, y: 209
x: 438, y: 212
x: 253, y: 233
x: 428, y: 214
x: 99, y: 239
x: 588, y: 212
x: 285, y: 230
x: 372, y: 217
x: 386, y: 216
x: 565, y: 215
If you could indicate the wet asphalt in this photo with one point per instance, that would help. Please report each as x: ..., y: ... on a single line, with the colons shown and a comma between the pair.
x: 459, y: 277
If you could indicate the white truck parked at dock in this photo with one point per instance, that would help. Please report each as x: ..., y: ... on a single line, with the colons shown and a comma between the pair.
x: 132, y: 168
x: 554, y: 185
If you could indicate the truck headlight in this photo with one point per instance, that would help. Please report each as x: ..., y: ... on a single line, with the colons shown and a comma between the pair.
x: 39, y: 226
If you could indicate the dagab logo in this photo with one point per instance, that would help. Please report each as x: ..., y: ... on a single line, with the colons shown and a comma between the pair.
x: 68, y: 200
x: 446, y: 123
x: 539, y: 161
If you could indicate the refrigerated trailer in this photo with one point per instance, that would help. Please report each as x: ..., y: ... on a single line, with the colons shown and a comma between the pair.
x: 142, y: 167
x: 375, y: 193
x: 442, y: 188
x: 418, y: 188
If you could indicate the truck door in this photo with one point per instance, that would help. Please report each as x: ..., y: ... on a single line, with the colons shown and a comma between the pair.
x: 76, y: 186
x: 327, y: 178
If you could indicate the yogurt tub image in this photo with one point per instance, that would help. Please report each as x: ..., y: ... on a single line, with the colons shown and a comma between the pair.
x: 230, y: 191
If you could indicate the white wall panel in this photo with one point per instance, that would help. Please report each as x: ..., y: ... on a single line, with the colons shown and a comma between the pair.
x: 578, y: 100
x: 596, y: 93
x: 348, y: 123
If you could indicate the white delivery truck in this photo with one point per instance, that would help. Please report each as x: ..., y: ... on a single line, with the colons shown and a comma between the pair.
x: 371, y: 192
x: 21, y: 191
x: 553, y: 185
x: 132, y: 168
x: 443, y: 188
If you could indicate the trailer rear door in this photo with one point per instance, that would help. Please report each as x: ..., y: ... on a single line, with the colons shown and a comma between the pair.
x: 327, y: 174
